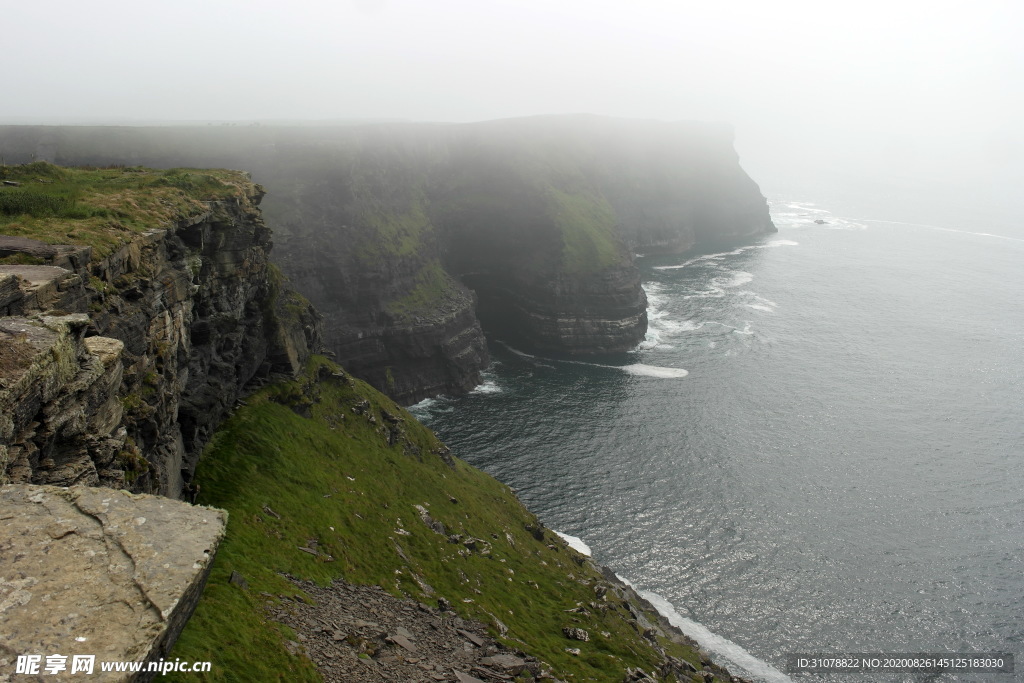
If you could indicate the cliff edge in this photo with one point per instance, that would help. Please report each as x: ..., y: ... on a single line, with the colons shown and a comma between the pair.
x: 412, y: 240
x: 163, y: 331
x: 124, y: 350
x: 91, y: 576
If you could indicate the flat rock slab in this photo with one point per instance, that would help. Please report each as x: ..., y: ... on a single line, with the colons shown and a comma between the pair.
x: 10, y: 244
x: 36, y: 275
x: 95, y: 571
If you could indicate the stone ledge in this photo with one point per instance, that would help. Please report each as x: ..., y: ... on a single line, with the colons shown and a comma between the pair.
x: 99, y: 571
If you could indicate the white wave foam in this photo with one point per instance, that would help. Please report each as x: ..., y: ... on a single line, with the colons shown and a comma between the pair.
x: 653, y: 339
x: 653, y: 371
x: 659, y: 322
x: 734, y: 655
x: 844, y: 224
x: 575, y: 543
x: 423, y: 406
x: 806, y: 216
x: 429, y: 407
x: 802, y: 220
x: 806, y: 207
x: 757, y: 297
x: 684, y: 326
x: 639, y: 369
x: 655, y: 295
x: 757, y: 302
x: 696, y: 259
x: 659, y: 325
x: 735, y: 278
x: 718, y: 257
x: 708, y: 294
x: 521, y: 354
x: 488, y: 387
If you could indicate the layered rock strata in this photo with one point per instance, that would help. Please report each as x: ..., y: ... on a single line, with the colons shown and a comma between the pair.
x: 602, y: 313
x: 60, y: 413
x: 96, y: 572
x: 190, y: 314
x: 540, y: 216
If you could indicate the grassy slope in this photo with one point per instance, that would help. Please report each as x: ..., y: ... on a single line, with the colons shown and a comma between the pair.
x: 392, y: 233
x: 332, y: 477
x: 586, y: 222
x: 104, y: 208
x: 432, y: 287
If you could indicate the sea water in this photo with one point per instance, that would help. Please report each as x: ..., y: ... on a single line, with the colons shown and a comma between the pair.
x: 817, y: 448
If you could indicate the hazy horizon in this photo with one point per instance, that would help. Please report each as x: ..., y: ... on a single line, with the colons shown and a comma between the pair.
x: 922, y: 96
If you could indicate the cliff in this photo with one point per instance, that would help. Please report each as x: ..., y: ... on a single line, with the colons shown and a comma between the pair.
x: 406, y: 237
x: 124, y: 351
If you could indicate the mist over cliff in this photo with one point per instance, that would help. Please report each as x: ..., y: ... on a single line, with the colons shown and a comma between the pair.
x: 406, y: 236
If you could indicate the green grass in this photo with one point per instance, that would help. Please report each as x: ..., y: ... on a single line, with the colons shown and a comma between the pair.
x: 105, y: 207
x: 332, y: 477
x: 392, y: 232
x: 587, y: 225
x: 431, y: 287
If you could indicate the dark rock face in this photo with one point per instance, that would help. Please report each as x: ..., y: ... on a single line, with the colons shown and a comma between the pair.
x: 431, y: 356
x: 602, y: 313
x: 383, y: 227
x: 179, y: 322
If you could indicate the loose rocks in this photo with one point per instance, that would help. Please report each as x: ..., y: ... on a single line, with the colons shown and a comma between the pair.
x: 361, y: 633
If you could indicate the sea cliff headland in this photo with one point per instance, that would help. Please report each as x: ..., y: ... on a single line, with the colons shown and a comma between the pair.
x: 151, y: 346
x: 412, y: 240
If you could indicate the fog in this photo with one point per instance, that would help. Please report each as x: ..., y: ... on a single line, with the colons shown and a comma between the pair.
x: 916, y: 93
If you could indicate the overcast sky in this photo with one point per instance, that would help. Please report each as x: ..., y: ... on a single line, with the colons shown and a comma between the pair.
x: 896, y: 75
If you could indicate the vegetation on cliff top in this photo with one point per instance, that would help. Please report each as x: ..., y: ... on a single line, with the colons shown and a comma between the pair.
x: 104, y: 207
x: 431, y: 286
x: 392, y: 233
x: 325, y: 462
x: 586, y: 222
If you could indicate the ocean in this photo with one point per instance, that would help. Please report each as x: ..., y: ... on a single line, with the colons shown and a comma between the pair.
x: 817, y: 449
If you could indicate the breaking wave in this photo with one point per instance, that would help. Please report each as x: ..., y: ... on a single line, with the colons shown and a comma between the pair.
x: 575, y: 543
x: 734, y: 656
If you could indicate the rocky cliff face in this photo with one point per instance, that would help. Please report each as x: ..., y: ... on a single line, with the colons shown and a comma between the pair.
x: 387, y: 228
x: 116, y: 369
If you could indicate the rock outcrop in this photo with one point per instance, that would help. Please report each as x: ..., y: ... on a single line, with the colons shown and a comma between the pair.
x: 90, y: 571
x: 383, y: 227
x: 116, y: 370
x: 61, y: 414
